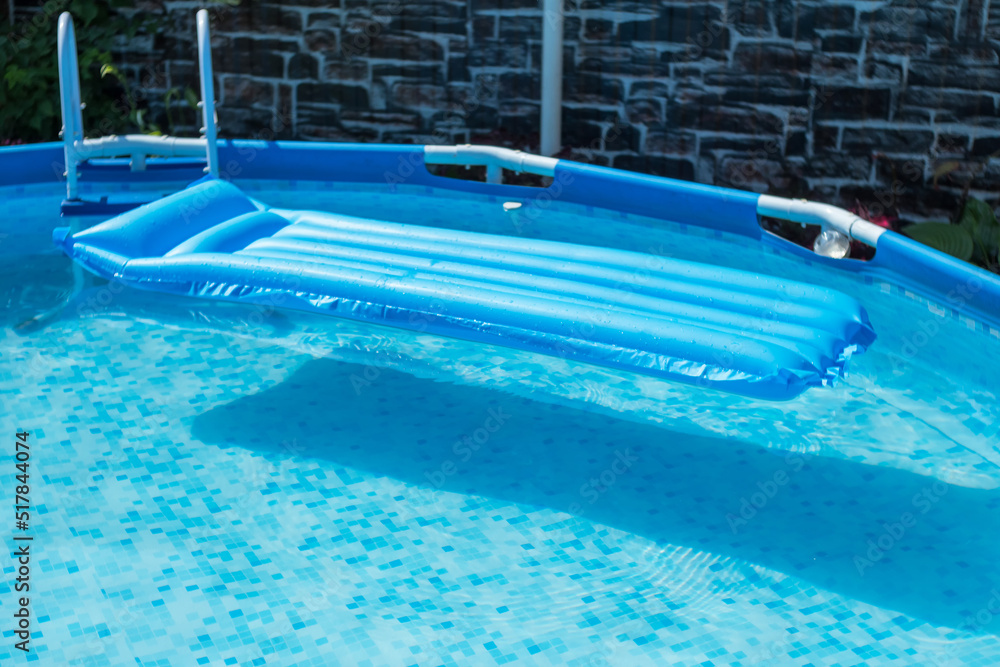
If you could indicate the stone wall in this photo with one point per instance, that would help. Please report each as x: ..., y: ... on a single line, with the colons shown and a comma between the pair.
x: 842, y: 101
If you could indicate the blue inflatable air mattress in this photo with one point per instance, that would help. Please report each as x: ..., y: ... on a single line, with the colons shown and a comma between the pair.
x: 721, y: 328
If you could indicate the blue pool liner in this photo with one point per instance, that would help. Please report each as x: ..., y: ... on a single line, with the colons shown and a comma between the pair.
x: 731, y: 330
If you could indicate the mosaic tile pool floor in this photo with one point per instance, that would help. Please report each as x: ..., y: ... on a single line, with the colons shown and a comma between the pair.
x: 220, y: 485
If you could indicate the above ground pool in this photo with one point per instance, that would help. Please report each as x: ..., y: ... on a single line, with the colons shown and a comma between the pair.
x: 222, y: 480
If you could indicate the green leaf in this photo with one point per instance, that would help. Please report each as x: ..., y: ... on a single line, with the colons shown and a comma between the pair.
x: 952, y: 239
x: 86, y: 11
x: 989, y: 237
x: 980, y: 222
x: 976, y: 213
x: 191, y: 97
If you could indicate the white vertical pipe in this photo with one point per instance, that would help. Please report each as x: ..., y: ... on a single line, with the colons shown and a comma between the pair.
x: 207, y: 93
x: 494, y: 173
x: 69, y: 99
x: 552, y: 74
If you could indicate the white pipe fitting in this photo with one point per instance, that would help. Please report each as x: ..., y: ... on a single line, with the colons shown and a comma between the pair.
x: 813, y: 213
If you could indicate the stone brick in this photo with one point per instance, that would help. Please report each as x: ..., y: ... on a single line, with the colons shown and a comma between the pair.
x: 947, y: 75
x: 323, y: 21
x: 598, y: 30
x: 244, y: 122
x: 852, y: 103
x: 356, y: 70
x: 644, y: 111
x: 486, y: 5
x: 973, y: 20
x: 303, y: 66
x: 355, y: 97
x: 762, y: 57
x: 483, y: 117
x: 796, y: 143
x: 518, y: 85
x: 622, y: 137
x: 842, y: 43
x: 832, y: 66
x: 795, y: 95
x: 411, y: 95
x: 698, y: 25
x: 498, y: 54
x: 430, y: 24
x: 658, y: 166
x: 883, y: 71
x: 986, y: 146
x: 949, y: 106
x: 484, y: 27
x: 175, y: 47
x: 249, y: 56
x: 909, y: 23
x: 520, y: 27
x: 244, y: 91
x: 671, y: 142
x: 760, y: 175
x: 284, y: 120
x: 834, y: 17
x: 521, y: 120
x: 622, y: 61
x: 951, y: 144
x: 749, y: 17
x: 726, y: 143
x: 402, y: 47
x: 458, y: 69
x: 572, y: 27
x: 381, y: 121
x: 731, y: 119
x: 649, y: 89
x: 413, y: 73
x: 858, y: 140
x: 988, y: 180
x: 579, y: 129
x: 260, y: 18
x: 795, y: 19
x: 838, y: 165
x: 908, y: 172
x: 590, y: 88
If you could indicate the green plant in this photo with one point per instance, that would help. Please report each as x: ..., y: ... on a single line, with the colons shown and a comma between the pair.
x: 130, y: 108
x: 973, y: 237
x: 29, y: 91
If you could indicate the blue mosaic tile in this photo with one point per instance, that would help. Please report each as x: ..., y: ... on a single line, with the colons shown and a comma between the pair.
x: 222, y: 491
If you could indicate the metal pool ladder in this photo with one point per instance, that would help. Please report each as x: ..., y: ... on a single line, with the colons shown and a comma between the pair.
x: 136, y: 146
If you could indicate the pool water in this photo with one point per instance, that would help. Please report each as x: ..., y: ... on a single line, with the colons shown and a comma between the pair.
x: 223, y: 484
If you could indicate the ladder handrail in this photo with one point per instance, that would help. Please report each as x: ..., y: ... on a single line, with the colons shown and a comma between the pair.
x: 207, y: 92
x: 77, y: 148
x: 69, y: 98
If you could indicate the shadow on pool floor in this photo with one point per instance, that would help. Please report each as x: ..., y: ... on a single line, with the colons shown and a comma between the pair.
x: 680, y: 489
